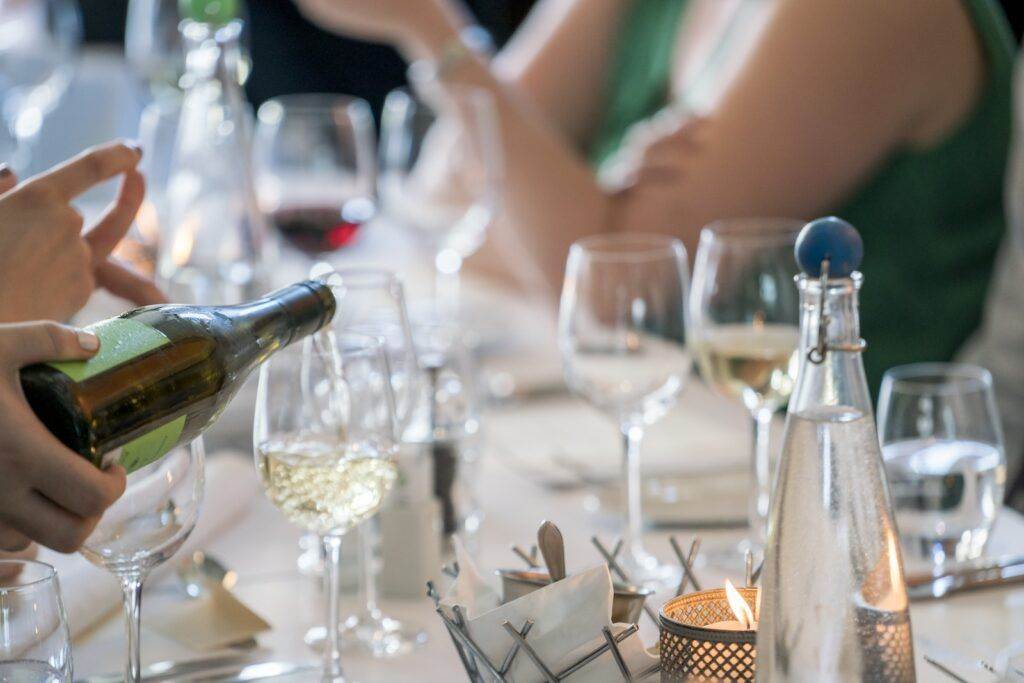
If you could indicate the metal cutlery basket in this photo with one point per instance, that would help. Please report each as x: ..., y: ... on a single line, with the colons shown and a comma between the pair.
x: 690, y: 652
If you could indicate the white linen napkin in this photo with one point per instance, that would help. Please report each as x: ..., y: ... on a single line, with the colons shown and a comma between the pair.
x: 91, y: 594
x: 567, y: 620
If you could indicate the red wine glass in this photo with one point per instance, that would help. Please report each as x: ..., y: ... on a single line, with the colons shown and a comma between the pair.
x: 314, y: 160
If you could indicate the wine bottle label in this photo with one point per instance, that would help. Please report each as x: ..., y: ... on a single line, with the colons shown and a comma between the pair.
x: 122, y: 340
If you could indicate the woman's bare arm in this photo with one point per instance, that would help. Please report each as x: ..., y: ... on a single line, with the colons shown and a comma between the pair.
x: 559, y: 60
x: 831, y: 89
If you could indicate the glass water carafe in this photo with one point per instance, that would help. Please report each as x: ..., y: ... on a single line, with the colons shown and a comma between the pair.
x: 834, y: 603
x: 212, y: 239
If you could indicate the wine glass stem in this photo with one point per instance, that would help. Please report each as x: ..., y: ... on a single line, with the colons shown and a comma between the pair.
x: 131, y: 586
x: 368, y: 583
x: 332, y: 582
x: 761, y: 480
x: 446, y: 285
x: 632, y: 435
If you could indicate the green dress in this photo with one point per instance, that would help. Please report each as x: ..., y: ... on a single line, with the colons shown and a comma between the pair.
x: 931, y: 220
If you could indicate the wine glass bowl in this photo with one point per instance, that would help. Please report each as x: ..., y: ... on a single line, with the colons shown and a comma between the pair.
x: 145, y: 527
x: 440, y: 171
x: 154, y: 517
x: 744, y: 323
x: 315, y: 169
x: 372, y: 301
x: 944, y: 456
x: 39, y: 43
x: 35, y: 643
x: 622, y: 328
x: 622, y: 340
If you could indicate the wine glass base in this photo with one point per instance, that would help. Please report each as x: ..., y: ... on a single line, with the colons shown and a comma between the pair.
x: 644, y: 569
x: 311, y: 560
x: 733, y: 555
x: 382, y: 638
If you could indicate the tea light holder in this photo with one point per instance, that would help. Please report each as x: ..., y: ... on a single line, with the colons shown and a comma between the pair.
x: 692, y: 652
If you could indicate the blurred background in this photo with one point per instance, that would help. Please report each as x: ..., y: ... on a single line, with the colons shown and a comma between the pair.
x: 294, y: 56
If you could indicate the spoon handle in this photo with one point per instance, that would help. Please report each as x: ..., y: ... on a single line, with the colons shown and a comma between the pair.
x: 552, y: 548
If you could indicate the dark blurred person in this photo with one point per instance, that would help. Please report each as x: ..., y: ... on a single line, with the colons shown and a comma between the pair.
x: 290, y: 55
x: 1015, y: 13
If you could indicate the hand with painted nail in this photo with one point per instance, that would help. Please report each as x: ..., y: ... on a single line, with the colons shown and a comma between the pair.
x: 49, y: 265
x: 48, y: 493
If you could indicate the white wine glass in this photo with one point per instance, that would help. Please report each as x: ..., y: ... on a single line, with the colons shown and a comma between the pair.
x: 314, y: 162
x: 745, y: 329
x: 39, y: 44
x: 324, y: 445
x: 145, y: 527
x: 942, y: 444
x: 440, y: 176
x: 35, y: 644
x: 372, y: 301
x: 622, y: 338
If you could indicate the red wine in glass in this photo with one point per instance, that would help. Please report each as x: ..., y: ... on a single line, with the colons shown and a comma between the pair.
x: 320, y: 228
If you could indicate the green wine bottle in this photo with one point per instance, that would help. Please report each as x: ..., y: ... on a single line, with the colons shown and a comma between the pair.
x: 163, y: 374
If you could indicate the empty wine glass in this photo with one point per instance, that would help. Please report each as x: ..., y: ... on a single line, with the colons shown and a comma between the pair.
x: 145, y: 527
x: 942, y: 443
x: 622, y: 337
x: 744, y: 330
x: 372, y: 301
x: 447, y: 422
x: 158, y: 128
x: 324, y: 444
x: 441, y: 172
x: 154, y: 50
x: 35, y: 644
x: 39, y: 44
x: 314, y: 166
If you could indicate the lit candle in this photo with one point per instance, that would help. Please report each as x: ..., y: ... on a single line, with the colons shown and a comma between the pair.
x: 744, y: 620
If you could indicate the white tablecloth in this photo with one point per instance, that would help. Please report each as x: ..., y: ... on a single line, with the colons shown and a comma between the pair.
x: 263, y: 550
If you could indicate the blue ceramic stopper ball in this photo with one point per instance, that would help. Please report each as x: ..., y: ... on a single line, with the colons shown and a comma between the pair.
x: 833, y: 239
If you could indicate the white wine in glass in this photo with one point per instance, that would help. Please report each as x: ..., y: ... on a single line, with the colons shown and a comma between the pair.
x: 324, y: 443
x: 320, y: 484
x: 754, y: 364
x: 744, y: 314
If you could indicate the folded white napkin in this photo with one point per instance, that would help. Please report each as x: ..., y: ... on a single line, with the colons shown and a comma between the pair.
x: 567, y: 620
x: 91, y: 594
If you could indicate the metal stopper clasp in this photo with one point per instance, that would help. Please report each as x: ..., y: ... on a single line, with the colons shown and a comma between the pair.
x: 816, y: 354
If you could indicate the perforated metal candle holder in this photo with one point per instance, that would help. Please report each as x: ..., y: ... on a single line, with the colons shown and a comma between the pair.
x: 691, y: 652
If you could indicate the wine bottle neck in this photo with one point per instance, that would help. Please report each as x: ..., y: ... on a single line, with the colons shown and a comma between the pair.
x: 832, y: 376
x: 286, y: 315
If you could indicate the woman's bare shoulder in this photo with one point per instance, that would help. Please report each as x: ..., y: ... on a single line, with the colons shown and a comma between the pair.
x: 925, y: 53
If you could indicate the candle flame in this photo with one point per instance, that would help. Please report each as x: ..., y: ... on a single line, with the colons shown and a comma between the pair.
x: 739, y: 606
